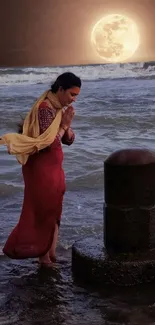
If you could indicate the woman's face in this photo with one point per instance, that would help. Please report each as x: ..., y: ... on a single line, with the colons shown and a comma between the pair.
x: 68, y: 96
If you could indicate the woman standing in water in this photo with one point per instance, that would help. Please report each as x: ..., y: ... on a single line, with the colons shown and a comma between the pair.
x: 38, y: 148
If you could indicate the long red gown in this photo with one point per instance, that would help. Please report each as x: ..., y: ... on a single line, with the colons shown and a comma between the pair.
x: 43, y: 197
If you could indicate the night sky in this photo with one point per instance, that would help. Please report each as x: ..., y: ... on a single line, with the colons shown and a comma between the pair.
x: 57, y: 32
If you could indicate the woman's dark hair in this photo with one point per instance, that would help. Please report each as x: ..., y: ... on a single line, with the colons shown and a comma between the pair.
x: 66, y: 80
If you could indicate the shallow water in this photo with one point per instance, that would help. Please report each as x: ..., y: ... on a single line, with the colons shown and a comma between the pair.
x: 114, y: 111
x: 33, y: 296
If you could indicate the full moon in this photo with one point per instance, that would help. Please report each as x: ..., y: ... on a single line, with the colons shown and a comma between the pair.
x: 115, y: 38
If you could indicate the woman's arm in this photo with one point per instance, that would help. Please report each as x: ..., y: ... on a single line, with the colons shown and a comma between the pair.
x: 46, y: 116
x: 68, y: 137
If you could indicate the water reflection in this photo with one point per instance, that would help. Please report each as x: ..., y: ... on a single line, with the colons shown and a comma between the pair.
x: 33, y: 296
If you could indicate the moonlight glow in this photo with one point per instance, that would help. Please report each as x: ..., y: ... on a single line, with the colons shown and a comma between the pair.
x: 115, y: 38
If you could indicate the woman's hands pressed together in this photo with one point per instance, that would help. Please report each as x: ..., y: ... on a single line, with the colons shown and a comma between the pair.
x: 67, y: 117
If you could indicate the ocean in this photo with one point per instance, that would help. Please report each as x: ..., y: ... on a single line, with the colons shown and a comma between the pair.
x: 115, y: 110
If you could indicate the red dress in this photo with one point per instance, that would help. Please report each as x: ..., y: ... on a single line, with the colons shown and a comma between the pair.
x: 43, y: 197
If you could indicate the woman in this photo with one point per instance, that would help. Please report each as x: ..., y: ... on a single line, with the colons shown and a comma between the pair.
x: 36, y: 233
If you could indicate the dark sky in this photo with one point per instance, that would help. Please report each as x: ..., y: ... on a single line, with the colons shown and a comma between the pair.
x: 57, y: 32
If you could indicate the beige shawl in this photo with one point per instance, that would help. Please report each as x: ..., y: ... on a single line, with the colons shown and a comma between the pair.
x: 30, y: 141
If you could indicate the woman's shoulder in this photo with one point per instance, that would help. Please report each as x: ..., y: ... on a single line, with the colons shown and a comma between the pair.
x: 46, y: 105
x: 45, y: 108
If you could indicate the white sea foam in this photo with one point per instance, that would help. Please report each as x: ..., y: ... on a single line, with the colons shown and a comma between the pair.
x: 44, y: 75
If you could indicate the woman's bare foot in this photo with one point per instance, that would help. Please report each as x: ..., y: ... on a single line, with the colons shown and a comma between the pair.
x: 49, y: 258
x: 53, y: 258
x: 52, y: 250
x: 45, y: 260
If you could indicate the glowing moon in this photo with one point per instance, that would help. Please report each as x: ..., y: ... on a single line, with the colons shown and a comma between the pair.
x: 115, y: 38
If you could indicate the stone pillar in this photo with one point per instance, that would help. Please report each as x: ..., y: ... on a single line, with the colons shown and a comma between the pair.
x: 127, y: 256
x: 129, y: 209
